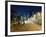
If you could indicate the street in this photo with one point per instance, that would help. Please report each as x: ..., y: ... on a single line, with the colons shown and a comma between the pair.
x: 25, y: 27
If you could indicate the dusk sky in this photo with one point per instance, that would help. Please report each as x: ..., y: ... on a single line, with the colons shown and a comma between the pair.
x: 19, y: 10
